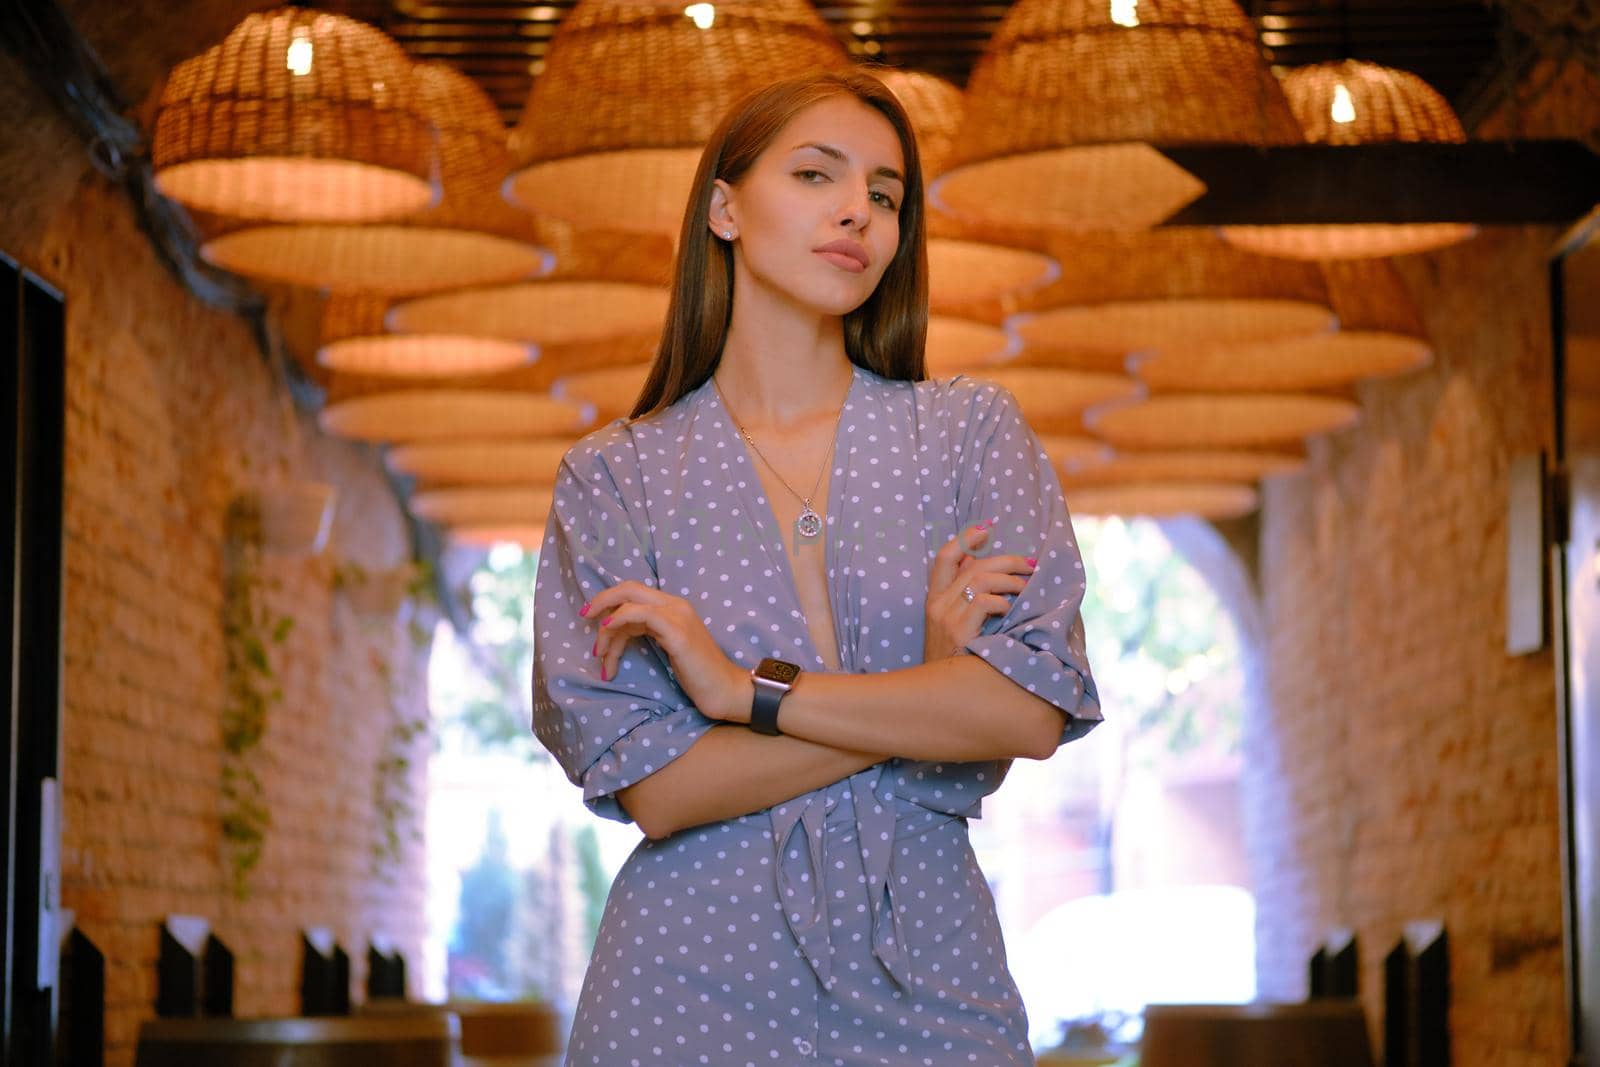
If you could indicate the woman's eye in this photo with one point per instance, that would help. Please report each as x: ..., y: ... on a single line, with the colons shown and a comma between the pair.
x: 885, y: 199
x: 804, y: 173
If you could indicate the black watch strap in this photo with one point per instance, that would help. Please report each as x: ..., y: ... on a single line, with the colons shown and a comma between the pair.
x: 764, y: 710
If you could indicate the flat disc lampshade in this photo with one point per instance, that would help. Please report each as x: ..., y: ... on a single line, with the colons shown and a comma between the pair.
x: 545, y: 313
x: 611, y: 391
x: 379, y: 257
x: 480, y: 462
x: 510, y: 505
x: 630, y: 93
x: 354, y: 341
x: 1052, y: 399
x: 1067, y: 98
x: 446, y: 414
x: 956, y: 345
x: 1206, y: 500
x: 1118, y: 328
x: 1220, y: 420
x: 1184, y: 466
x: 1321, y: 361
x: 1351, y: 102
x: 297, y: 115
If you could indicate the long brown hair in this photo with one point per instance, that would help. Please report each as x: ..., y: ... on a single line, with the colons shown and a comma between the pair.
x: 886, y: 334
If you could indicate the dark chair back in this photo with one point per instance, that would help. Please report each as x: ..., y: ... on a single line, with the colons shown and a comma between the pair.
x: 374, y: 1041
x: 1319, y: 1033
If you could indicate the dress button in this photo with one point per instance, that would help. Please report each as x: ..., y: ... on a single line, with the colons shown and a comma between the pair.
x: 804, y: 1046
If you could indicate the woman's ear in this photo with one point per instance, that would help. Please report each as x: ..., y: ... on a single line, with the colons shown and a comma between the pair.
x: 720, y: 215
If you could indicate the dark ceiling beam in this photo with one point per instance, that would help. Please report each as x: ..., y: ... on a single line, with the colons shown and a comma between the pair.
x: 1486, y: 182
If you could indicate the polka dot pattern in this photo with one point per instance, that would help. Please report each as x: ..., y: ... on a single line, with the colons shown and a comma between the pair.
x: 850, y: 925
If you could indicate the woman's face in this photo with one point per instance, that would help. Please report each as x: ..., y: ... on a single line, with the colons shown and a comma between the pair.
x: 817, y: 216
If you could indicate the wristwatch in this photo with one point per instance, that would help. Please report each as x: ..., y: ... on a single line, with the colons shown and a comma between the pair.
x: 773, y: 678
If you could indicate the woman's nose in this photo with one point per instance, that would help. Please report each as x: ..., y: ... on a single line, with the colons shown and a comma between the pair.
x: 855, y: 210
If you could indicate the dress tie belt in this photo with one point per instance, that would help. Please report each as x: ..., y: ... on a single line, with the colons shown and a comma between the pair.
x: 802, y: 872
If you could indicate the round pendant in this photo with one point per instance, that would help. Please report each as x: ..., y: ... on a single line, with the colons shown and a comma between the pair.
x: 808, y: 525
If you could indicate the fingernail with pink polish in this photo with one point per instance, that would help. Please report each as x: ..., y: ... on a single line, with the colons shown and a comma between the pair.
x: 981, y: 526
x: 1033, y: 561
x: 584, y: 610
x: 606, y: 621
x: 603, y: 677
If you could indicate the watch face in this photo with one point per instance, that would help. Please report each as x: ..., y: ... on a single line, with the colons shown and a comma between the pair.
x: 778, y: 670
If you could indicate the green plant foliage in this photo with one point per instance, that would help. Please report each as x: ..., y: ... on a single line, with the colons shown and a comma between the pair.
x: 1161, y: 645
x: 252, y: 631
x: 392, y: 798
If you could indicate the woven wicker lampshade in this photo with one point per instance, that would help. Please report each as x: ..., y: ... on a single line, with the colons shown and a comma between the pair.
x: 1074, y: 452
x: 1206, y: 500
x: 471, y: 238
x: 1219, y: 420
x: 1067, y: 98
x: 480, y: 462
x: 1353, y: 102
x: 961, y: 266
x: 610, y: 390
x: 297, y: 115
x: 1144, y: 467
x: 630, y: 92
x: 445, y: 414
x: 1323, y: 361
x: 964, y: 345
x: 1051, y: 397
x: 509, y: 505
x: 354, y: 341
x: 546, y: 313
x: 528, y: 536
x: 1181, y: 282
x: 1117, y: 328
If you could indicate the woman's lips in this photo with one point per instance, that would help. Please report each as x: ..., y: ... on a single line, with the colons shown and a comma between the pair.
x: 844, y: 262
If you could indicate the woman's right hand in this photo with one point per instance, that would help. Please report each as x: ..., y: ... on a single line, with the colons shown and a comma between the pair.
x: 950, y: 620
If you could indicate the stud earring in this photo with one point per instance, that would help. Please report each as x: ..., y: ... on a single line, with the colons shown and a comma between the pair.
x: 727, y: 235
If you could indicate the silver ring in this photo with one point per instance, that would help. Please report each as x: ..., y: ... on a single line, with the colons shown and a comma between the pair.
x: 967, y: 594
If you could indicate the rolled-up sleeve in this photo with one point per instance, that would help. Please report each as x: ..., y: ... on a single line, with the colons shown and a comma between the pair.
x: 605, y: 735
x: 1005, y: 475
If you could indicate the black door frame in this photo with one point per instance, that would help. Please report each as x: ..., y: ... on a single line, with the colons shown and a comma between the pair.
x: 1578, y: 761
x: 33, y: 345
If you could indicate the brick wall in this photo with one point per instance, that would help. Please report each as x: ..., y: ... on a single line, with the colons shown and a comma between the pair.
x: 1402, y: 766
x: 170, y: 412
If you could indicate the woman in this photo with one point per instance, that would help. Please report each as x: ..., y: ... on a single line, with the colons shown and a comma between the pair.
x: 783, y: 504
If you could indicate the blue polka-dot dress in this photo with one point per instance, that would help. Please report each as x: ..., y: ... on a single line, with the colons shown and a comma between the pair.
x: 850, y: 925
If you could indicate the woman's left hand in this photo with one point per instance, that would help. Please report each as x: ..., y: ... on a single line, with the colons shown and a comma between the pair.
x: 717, y: 686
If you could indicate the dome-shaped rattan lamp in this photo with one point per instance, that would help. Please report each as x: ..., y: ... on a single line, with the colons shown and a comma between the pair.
x: 452, y: 414
x: 561, y: 311
x: 1129, y: 467
x: 630, y: 92
x: 297, y: 115
x: 956, y: 345
x: 1069, y: 95
x: 961, y: 265
x: 354, y: 342
x: 1352, y: 102
x: 1053, y: 399
x: 436, y: 464
x: 500, y: 505
x: 1122, y: 292
x: 1219, y: 420
x: 1158, y: 500
x: 471, y: 238
x: 611, y: 391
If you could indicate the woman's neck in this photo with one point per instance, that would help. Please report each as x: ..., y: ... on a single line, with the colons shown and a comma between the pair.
x: 783, y: 366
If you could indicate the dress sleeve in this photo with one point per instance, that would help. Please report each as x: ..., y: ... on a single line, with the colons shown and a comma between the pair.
x: 605, y: 735
x: 1005, y: 475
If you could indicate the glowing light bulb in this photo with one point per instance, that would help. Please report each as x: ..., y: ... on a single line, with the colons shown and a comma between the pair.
x: 1125, y: 12
x: 299, y: 58
x: 702, y: 14
x: 1344, y: 108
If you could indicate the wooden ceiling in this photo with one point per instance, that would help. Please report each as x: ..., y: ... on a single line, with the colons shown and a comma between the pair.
x: 1450, y: 43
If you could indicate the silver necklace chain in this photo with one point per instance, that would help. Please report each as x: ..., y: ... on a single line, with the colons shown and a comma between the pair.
x: 808, y: 525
